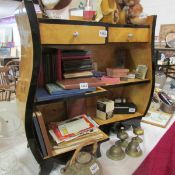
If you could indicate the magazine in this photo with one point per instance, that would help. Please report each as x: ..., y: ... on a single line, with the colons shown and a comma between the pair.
x: 72, y: 128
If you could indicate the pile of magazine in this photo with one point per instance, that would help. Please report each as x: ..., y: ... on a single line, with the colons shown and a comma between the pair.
x: 72, y: 128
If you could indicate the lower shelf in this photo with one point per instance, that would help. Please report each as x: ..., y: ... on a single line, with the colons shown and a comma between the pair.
x: 74, y: 144
x: 117, y: 117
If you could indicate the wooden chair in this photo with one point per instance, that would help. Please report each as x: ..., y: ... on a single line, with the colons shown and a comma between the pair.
x: 13, y: 70
x: 6, y: 87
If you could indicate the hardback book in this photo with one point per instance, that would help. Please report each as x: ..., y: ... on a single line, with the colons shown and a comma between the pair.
x: 117, y: 72
x: 76, y: 63
x: 76, y: 57
x: 75, y: 52
x: 55, y: 89
x: 78, y: 69
x: 141, y: 71
x: 44, y: 132
x: 59, y: 65
x: 78, y: 74
x: 109, y: 80
x: 39, y: 136
x: 43, y: 95
x: 76, y: 83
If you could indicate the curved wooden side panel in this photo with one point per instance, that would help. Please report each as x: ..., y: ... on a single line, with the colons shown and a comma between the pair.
x: 29, y: 69
x: 26, y: 64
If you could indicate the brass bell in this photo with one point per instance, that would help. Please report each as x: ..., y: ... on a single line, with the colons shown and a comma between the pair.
x: 115, y: 152
x: 122, y: 135
x: 138, y: 131
x: 133, y: 149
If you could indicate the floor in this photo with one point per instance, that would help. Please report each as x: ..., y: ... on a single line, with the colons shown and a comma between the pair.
x: 15, y: 156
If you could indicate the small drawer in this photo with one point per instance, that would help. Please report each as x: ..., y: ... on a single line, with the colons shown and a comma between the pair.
x: 71, y: 34
x: 128, y: 34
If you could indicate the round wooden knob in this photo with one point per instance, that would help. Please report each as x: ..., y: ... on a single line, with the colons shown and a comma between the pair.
x: 76, y: 34
x: 130, y: 35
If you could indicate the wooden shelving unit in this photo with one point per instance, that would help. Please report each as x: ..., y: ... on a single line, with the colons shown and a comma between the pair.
x: 40, y: 34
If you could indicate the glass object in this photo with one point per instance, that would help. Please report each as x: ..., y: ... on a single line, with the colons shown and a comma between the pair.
x: 88, y: 12
x: 8, y: 163
x: 10, y: 123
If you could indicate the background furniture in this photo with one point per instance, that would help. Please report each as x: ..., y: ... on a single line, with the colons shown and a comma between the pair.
x: 50, y: 33
x: 168, y: 69
x: 7, y: 86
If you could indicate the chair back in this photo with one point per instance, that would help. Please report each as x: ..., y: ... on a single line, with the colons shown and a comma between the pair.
x: 4, y: 79
x: 5, y: 87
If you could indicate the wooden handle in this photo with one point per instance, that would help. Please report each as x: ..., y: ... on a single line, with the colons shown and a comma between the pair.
x: 95, y: 146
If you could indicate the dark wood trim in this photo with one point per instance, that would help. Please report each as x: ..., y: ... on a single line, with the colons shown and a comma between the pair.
x: 74, y: 22
x: 153, y: 65
x: 36, y: 64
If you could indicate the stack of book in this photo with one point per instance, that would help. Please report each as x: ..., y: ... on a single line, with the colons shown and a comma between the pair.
x: 76, y: 63
x: 72, y: 128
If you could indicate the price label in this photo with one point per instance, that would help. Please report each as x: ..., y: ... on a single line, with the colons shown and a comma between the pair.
x: 94, y: 168
x: 83, y: 85
x: 132, y: 110
x: 103, y: 33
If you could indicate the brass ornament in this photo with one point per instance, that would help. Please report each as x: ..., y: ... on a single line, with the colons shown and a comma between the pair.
x: 133, y: 149
x: 83, y: 163
x: 138, y: 131
x: 115, y: 152
x: 122, y: 135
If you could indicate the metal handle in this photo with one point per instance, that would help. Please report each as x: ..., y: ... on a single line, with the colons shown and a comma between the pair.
x: 76, y: 34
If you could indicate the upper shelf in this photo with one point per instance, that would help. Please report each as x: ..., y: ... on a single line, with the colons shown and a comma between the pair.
x: 88, y: 23
x: 82, y: 32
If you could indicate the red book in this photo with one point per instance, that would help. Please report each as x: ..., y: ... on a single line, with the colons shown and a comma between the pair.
x: 75, y: 83
x: 41, y: 76
x: 59, y: 70
x: 110, y: 80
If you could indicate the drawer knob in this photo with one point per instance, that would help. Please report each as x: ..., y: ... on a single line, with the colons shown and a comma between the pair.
x: 130, y: 35
x: 75, y: 34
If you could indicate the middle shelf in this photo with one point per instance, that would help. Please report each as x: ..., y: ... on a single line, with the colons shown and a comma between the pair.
x: 42, y: 96
x: 116, y: 118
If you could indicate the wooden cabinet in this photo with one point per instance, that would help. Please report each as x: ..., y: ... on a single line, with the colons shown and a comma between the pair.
x: 40, y: 35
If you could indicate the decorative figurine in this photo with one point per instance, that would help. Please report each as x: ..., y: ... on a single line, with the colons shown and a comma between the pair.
x: 110, y: 11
